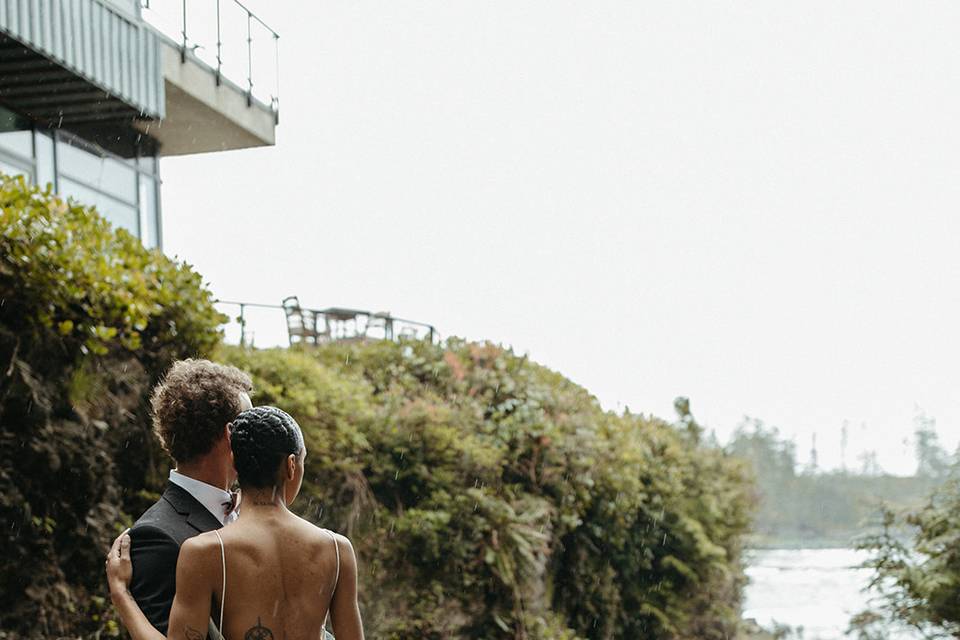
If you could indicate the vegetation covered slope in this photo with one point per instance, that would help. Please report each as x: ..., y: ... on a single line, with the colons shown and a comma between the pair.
x: 488, y: 497
x: 491, y: 497
x: 89, y: 319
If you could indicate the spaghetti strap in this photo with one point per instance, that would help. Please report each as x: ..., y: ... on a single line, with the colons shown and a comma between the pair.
x: 336, y: 545
x: 223, y: 592
x: 327, y: 635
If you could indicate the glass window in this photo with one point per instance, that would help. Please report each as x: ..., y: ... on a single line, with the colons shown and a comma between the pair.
x: 45, y: 159
x: 15, y: 134
x: 149, y: 214
x: 119, y: 213
x: 106, y: 174
x: 12, y: 169
x: 148, y: 164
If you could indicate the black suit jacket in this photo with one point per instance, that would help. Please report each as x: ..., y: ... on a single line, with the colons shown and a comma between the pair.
x: 155, y: 541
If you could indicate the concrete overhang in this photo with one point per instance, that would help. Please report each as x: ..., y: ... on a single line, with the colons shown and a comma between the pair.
x: 205, y: 113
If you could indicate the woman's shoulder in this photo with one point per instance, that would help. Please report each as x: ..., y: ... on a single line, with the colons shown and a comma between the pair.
x: 201, y: 546
x: 321, y: 535
x: 199, y: 556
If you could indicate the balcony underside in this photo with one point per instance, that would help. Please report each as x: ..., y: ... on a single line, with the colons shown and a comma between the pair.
x: 57, y: 97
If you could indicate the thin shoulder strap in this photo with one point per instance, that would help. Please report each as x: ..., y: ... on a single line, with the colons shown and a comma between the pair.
x: 336, y: 545
x: 223, y: 592
x: 336, y: 580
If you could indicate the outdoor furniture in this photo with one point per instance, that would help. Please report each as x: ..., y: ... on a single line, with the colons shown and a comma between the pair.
x: 380, y: 320
x: 339, y: 319
x: 302, y: 323
x: 316, y: 326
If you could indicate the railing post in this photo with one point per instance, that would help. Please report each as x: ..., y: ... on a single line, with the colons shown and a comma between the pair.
x: 183, y: 47
x: 249, y: 59
x: 243, y: 326
x: 219, y: 45
x: 276, y: 82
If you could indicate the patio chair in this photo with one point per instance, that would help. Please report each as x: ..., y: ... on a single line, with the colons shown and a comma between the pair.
x: 302, y: 323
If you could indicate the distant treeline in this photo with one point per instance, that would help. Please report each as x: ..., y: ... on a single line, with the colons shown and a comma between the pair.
x: 808, y: 507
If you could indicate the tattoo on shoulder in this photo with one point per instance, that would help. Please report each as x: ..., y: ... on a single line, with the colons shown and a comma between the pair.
x: 192, y: 634
x: 258, y: 632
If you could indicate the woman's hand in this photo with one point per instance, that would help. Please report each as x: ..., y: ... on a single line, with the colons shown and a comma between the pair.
x: 118, y: 565
x: 119, y: 573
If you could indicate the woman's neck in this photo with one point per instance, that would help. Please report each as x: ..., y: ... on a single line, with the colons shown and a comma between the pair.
x: 261, y: 501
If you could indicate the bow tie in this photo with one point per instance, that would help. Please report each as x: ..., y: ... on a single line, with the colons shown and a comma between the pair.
x: 231, y: 505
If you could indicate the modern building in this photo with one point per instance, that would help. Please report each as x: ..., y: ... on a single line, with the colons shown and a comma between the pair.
x: 94, y: 92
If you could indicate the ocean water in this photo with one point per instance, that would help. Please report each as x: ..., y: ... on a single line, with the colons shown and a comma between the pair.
x: 817, y: 589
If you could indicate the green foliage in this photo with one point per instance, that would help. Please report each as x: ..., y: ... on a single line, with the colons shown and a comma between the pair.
x: 490, y: 497
x: 919, y: 580
x: 88, y: 321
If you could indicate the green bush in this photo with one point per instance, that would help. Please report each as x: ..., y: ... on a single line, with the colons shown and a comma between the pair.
x: 916, y: 567
x: 490, y: 497
x: 89, y: 319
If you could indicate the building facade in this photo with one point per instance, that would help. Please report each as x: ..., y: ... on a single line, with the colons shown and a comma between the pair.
x: 94, y: 92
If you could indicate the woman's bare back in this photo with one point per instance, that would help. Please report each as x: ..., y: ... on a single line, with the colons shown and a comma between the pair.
x: 282, y: 577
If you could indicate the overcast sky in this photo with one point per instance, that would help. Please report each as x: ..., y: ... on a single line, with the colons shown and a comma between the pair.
x: 750, y: 203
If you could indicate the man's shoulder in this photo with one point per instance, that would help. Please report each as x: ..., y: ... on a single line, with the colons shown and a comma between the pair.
x: 162, y: 520
x: 159, y: 515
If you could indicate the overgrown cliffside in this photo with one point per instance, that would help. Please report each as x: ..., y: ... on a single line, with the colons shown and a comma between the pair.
x: 491, y: 497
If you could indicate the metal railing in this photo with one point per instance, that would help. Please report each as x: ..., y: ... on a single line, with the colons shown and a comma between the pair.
x: 270, y: 325
x: 226, y: 36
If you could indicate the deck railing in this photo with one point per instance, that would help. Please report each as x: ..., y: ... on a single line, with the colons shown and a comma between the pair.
x: 226, y: 36
x: 271, y: 325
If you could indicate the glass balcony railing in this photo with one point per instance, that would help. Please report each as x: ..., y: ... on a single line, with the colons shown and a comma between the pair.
x: 226, y: 36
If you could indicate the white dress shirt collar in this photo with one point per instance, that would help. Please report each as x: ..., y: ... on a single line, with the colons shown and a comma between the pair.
x: 208, y: 495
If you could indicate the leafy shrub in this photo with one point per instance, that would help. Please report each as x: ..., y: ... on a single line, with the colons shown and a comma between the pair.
x: 916, y: 568
x: 490, y: 497
x: 88, y: 321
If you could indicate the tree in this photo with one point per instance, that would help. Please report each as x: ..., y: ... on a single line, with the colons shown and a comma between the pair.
x: 932, y: 460
x: 774, y: 459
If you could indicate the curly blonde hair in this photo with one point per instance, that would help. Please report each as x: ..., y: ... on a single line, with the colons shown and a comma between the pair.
x: 193, y: 403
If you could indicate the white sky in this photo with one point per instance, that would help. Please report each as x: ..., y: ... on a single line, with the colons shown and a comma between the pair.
x: 749, y: 203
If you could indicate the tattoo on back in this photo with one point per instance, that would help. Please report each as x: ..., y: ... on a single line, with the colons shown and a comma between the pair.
x: 192, y: 634
x: 258, y: 632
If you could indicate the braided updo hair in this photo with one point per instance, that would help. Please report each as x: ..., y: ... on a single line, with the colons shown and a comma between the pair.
x: 261, y: 439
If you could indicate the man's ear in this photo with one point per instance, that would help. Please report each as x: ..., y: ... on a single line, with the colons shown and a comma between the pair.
x: 227, y: 439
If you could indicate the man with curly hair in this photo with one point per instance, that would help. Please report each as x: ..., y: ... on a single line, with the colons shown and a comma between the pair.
x: 192, y: 408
